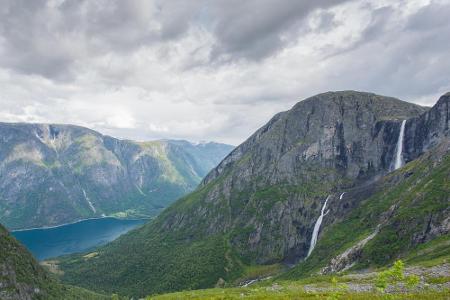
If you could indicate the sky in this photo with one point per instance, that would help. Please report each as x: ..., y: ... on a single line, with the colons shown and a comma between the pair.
x: 210, y: 70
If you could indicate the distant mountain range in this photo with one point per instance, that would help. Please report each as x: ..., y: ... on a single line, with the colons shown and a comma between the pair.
x: 258, y: 208
x: 54, y: 174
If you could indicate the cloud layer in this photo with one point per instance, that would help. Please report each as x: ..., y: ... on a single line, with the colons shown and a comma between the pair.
x: 210, y: 70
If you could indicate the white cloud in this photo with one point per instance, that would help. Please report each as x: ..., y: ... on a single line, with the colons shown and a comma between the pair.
x: 201, y: 70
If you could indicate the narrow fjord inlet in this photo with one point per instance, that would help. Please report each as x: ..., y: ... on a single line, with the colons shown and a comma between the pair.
x: 73, y: 238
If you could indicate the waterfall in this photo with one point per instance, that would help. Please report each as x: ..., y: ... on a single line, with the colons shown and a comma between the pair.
x: 341, y: 196
x: 89, y: 202
x: 316, y: 228
x: 399, y: 149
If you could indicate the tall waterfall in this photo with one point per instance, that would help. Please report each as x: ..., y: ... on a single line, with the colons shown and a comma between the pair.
x: 316, y: 228
x: 399, y: 149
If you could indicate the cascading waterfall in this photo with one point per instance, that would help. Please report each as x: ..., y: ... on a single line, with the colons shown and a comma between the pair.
x: 399, y: 154
x: 316, y: 228
x: 318, y: 224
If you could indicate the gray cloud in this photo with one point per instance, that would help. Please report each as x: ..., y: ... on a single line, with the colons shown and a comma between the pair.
x: 48, y: 37
x: 256, y: 29
x: 430, y: 17
x: 210, y: 69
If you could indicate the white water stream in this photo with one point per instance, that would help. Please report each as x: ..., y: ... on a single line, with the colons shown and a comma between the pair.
x: 318, y: 224
x: 317, y: 228
x: 89, y: 202
x: 399, y: 149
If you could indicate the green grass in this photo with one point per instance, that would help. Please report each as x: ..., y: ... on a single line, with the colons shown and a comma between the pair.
x: 329, y: 288
x: 438, y: 280
x: 291, y: 290
x: 434, y: 252
x: 256, y: 271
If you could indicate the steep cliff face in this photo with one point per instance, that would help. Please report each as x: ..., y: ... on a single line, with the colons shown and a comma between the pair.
x: 274, y: 184
x: 428, y: 129
x: 352, y: 132
x: 260, y: 204
x: 386, y: 219
x: 53, y: 174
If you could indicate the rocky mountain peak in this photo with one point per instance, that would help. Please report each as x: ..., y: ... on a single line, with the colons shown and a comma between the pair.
x: 352, y: 132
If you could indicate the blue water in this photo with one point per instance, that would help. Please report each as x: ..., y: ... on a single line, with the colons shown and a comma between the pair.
x: 72, y: 238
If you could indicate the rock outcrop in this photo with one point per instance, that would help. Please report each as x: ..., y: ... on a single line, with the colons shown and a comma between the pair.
x: 427, y: 130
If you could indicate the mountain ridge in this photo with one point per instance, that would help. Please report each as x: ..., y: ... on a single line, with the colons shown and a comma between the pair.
x: 69, y: 172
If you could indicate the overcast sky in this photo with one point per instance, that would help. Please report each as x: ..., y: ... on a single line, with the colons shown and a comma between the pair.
x: 213, y: 69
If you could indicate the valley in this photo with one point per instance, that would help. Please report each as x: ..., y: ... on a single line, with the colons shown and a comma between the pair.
x: 56, y: 174
x: 261, y: 204
x: 345, y: 196
x: 221, y: 150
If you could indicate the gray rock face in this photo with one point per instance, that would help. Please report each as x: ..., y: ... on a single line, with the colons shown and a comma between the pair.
x: 269, y: 190
x: 428, y: 129
x: 354, y: 133
x: 53, y: 174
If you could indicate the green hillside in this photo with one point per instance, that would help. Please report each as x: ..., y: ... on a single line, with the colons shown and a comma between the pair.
x: 21, y: 277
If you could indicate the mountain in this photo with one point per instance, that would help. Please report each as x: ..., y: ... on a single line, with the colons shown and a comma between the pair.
x: 21, y: 277
x: 391, y: 218
x: 258, y: 208
x: 54, y: 174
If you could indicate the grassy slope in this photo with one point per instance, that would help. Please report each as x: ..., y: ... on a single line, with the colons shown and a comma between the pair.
x: 23, y: 272
x: 417, y: 191
x: 152, y: 261
x: 291, y: 290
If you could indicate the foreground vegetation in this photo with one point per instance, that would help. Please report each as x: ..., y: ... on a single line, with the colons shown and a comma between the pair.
x: 292, y: 293
x: 391, y: 283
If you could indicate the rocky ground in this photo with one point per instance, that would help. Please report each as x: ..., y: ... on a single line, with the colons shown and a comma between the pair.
x: 434, y: 284
x: 436, y: 278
